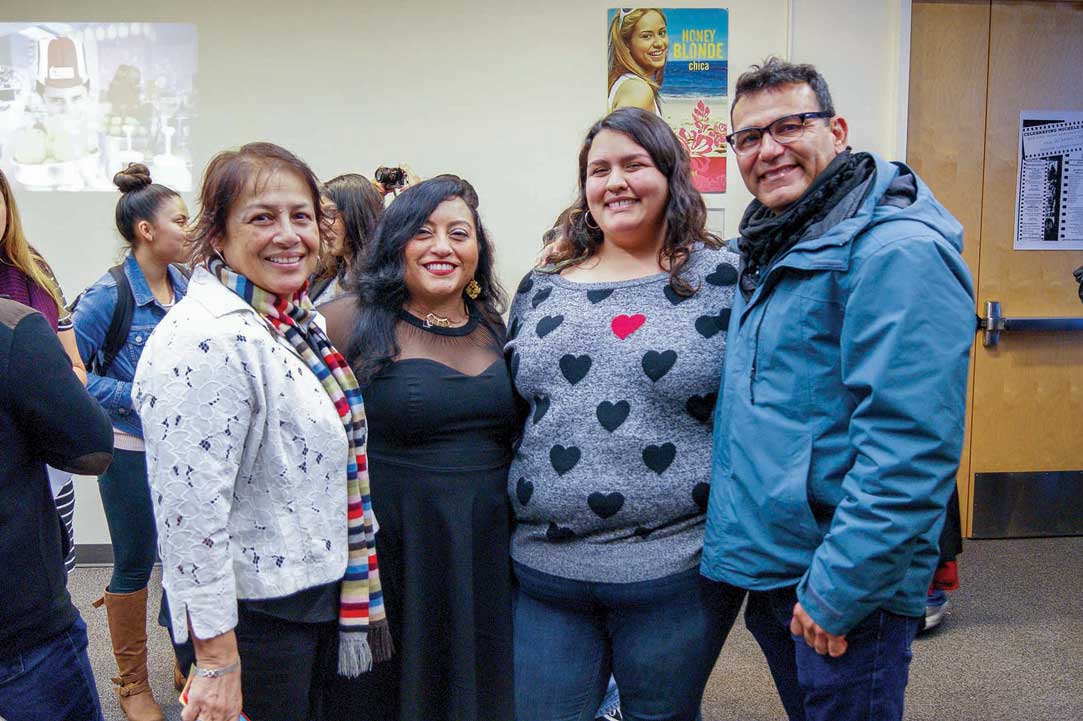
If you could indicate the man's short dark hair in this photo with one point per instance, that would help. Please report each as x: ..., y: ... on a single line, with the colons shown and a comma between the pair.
x: 776, y: 72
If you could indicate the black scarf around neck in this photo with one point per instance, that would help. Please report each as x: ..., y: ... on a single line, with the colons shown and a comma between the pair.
x: 765, y: 236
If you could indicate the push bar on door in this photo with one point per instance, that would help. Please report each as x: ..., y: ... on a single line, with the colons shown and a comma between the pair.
x: 993, y: 323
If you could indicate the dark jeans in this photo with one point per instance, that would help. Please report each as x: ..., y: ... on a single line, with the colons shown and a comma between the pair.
x: 130, y: 515
x: 283, y: 665
x: 867, y: 683
x: 51, y: 682
x: 658, y: 638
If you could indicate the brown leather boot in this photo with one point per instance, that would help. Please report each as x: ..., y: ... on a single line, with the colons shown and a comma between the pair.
x: 179, y: 679
x: 128, y: 631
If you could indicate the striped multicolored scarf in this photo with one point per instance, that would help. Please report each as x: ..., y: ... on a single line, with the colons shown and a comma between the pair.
x: 364, y: 637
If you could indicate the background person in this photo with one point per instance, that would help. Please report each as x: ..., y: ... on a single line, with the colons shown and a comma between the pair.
x: 358, y: 207
x: 26, y: 278
x: 258, y: 462
x: 637, y: 58
x: 152, y: 219
x: 425, y: 337
x: 618, y: 350
x: 45, y: 673
x: 842, y: 404
x: 946, y: 575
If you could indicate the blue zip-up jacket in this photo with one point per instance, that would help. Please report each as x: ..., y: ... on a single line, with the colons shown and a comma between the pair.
x: 840, y: 417
x: 92, y: 316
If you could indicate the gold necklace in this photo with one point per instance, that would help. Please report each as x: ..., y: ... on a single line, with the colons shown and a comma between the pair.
x: 431, y: 320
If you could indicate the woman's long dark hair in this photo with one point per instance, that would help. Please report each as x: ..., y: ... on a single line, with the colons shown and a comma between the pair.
x: 360, y: 208
x: 686, y: 214
x: 380, y: 279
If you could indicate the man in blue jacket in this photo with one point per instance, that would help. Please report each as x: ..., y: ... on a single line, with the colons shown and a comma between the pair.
x: 840, y: 417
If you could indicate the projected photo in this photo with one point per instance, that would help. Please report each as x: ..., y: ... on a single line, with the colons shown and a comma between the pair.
x: 79, y: 101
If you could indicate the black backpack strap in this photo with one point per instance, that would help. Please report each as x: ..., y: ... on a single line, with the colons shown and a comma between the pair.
x: 121, y: 323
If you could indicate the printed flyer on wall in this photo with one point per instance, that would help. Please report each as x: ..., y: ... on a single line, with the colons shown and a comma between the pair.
x: 674, y: 62
x: 80, y: 101
x: 1049, y: 197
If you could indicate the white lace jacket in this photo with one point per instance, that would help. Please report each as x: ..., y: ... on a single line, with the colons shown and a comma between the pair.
x: 246, y: 458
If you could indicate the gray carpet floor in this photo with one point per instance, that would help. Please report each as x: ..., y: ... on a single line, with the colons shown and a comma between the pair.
x: 1011, y: 648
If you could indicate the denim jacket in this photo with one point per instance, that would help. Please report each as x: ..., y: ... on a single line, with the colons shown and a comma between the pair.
x: 92, y: 316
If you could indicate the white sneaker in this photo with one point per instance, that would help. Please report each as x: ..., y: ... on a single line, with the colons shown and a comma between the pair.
x: 934, y: 613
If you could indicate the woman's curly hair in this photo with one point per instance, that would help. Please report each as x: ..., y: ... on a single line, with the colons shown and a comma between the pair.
x: 685, y: 213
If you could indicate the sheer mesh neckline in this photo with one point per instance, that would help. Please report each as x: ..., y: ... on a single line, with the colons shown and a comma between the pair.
x: 470, y: 349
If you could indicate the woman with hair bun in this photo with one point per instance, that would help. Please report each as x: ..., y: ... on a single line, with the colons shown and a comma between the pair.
x: 637, y: 58
x: 152, y: 219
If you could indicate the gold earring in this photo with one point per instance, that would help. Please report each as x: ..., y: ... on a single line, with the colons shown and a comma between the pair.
x: 473, y: 290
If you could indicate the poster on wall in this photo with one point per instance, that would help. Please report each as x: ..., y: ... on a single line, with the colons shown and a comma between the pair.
x: 80, y: 101
x: 673, y: 62
x: 1049, y: 196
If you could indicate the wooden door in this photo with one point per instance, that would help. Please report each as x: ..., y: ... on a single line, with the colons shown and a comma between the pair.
x: 974, y: 67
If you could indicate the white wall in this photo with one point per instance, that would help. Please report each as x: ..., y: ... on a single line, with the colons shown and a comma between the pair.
x: 498, y: 92
x: 863, y: 50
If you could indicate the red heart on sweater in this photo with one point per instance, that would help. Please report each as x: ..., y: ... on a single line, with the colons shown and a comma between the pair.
x: 624, y: 325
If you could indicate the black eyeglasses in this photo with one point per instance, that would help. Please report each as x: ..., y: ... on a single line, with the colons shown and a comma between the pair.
x: 785, y: 130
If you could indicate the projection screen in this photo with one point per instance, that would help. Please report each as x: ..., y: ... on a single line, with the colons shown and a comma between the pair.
x: 80, y: 101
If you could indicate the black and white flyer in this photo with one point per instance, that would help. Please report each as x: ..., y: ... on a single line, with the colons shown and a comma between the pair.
x: 1049, y: 197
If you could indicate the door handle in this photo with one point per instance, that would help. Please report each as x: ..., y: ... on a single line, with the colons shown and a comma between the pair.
x: 994, y: 323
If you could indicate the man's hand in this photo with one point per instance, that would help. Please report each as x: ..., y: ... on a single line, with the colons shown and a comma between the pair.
x: 802, y: 625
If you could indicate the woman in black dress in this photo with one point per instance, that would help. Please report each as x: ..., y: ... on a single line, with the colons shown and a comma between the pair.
x: 424, y: 336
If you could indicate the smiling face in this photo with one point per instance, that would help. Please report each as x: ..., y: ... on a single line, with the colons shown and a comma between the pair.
x: 626, y: 193
x: 272, y: 236
x: 168, y: 230
x: 779, y: 174
x: 442, y: 257
x: 649, y: 42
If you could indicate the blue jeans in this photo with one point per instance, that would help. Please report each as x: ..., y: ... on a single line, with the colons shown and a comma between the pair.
x: 867, y: 683
x: 51, y: 682
x: 658, y: 638
x: 128, y: 511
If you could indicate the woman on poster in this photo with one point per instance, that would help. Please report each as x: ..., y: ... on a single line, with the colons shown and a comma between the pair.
x: 637, y: 59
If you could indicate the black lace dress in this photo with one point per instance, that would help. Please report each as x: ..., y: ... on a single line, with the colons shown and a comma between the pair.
x: 441, y: 418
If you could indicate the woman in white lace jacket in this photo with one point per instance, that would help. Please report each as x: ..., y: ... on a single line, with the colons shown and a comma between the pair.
x: 250, y: 425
